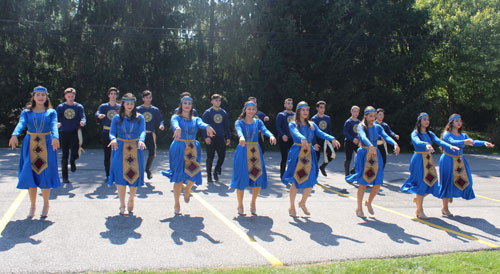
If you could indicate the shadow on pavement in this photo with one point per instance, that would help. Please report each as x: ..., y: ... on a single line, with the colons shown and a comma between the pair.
x: 260, y: 227
x: 147, y: 189
x: 480, y: 224
x: 395, y: 232
x: 186, y: 228
x: 64, y: 190
x: 219, y: 188
x: 21, y: 231
x: 121, y: 228
x: 320, y: 232
x: 102, y: 192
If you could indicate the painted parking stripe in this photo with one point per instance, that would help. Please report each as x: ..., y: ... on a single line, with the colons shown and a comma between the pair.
x: 251, y: 242
x: 416, y: 219
x: 488, y: 198
x: 12, y: 209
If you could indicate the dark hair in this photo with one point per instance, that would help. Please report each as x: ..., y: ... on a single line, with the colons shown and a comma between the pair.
x: 380, y: 110
x: 133, y: 114
x: 32, y: 103
x: 243, y: 114
x: 449, y: 126
x: 297, y: 115
x: 215, y: 96
x: 365, y: 125
x: 113, y: 89
x: 418, y: 125
x: 179, y: 109
x: 69, y: 90
x: 319, y: 103
x: 288, y: 99
x: 184, y: 94
x: 146, y: 93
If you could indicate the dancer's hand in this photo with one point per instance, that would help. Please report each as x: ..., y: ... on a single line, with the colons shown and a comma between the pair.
x: 82, y: 123
x: 113, y: 144
x: 355, y: 141
x: 210, y: 131
x: 336, y: 144
x: 469, y: 142
x: 397, y: 137
x: 208, y: 141
x: 13, y: 142
x: 430, y: 148
x: 266, y: 118
x: 141, y: 145
x: 396, y: 149
x: 177, y: 134
x: 284, y: 138
x: 162, y: 128
x: 372, y: 151
x: 228, y: 142
x: 242, y: 141
x: 316, y: 147
x: 58, y: 125
x: 101, y: 116
x: 490, y: 145
x: 454, y: 148
x: 272, y: 140
x: 55, y: 143
x: 305, y: 145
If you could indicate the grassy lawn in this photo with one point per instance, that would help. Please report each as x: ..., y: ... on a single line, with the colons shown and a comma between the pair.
x: 463, y: 262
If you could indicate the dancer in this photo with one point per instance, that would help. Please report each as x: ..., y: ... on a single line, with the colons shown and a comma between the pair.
x: 351, y: 139
x: 264, y: 118
x: 105, y: 113
x: 423, y: 175
x: 324, y: 123
x: 38, y: 161
x: 285, y: 140
x: 185, y: 152
x: 71, y: 116
x: 302, y: 170
x: 368, y: 170
x: 154, y: 119
x: 127, y: 137
x: 455, y: 178
x: 185, y: 94
x: 381, y: 144
x: 249, y: 168
x: 217, y: 118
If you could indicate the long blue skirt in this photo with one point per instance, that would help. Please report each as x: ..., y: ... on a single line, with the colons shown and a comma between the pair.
x: 415, y: 183
x: 293, y: 157
x: 446, y: 187
x: 116, y: 169
x: 176, y: 172
x: 360, y: 168
x: 240, y: 178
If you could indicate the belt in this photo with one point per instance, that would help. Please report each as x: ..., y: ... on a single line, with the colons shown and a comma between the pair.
x: 106, y: 128
x: 128, y: 140
x: 300, y: 144
x: 149, y: 131
x: 380, y: 142
x: 454, y: 156
x: 42, y: 133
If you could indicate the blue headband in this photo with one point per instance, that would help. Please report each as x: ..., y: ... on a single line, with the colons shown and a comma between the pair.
x: 302, y: 106
x: 187, y: 99
x: 40, y: 89
x: 370, y: 111
x: 454, y: 118
x: 422, y: 116
x: 250, y: 104
x: 128, y: 99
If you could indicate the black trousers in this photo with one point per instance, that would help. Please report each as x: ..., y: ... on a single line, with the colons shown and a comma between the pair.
x: 69, y: 141
x: 218, y: 144
x: 107, y: 151
x: 381, y: 148
x: 151, y: 146
x: 321, y: 143
x: 261, y: 143
x: 350, y: 148
x: 284, y: 149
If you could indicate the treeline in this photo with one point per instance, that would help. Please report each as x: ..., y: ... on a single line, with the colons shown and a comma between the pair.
x: 404, y: 56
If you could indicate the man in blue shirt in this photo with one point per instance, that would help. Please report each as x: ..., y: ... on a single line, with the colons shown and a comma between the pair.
x: 153, y: 119
x: 217, y: 118
x: 105, y: 114
x: 262, y: 116
x: 70, y: 116
x: 285, y: 140
x: 325, y: 124
x: 382, y: 146
x: 351, y: 139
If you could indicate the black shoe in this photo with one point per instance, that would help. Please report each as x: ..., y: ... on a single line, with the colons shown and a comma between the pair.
x: 65, y: 181
x: 353, y: 171
x: 216, y: 176
x: 209, y: 178
x: 322, y: 169
x: 148, y: 173
x: 73, y: 166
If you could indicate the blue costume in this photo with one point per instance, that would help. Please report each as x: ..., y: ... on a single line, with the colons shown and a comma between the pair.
x: 422, y: 178
x: 38, y: 161
x: 302, y: 169
x: 152, y: 117
x: 127, y: 133
x: 364, y: 175
x: 244, y: 169
x: 185, y: 155
x: 324, y: 123
x: 454, y: 174
x: 70, y: 116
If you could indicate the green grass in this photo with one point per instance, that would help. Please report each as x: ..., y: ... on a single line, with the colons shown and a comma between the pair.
x: 483, y: 262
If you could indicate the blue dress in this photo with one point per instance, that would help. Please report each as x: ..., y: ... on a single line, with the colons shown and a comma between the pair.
x: 250, y: 132
x: 415, y: 183
x: 189, y: 128
x: 373, y: 135
x: 44, y: 122
x: 299, y: 134
x: 447, y: 187
x: 127, y: 130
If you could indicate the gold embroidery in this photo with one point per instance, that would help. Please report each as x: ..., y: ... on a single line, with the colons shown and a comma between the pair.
x: 371, y: 167
x: 254, y: 163
x: 430, y: 174
x: 303, y: 169
x: 460, y: 178
x: 38, y: 151
x: 191, y: 166
x: 147, y: 116
x: 69, y: 113
x: 130, y: 160
x: 322, y: 125
x: 111, y: 113
x: 218, y: 118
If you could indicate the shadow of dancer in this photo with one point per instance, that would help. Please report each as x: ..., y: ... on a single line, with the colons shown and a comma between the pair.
x: 259, y: 226
x: 187, y: 228
x: 121, y: 228
x: 221, y: 189
x: 320, y: 232
x: 64, y: 190
x: 22, y: 231
x: 441, y: 222
x: 102, y: 192
x: 148, y: 188
x: 395, y: 232
x: 478, y: 223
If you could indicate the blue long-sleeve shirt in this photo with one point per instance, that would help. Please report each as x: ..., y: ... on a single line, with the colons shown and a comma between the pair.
x: 46, y: 121
x: 282, y: 120
x: 373, y: 135
x: 109, y: 112
x: 305, y: 132
x: 350, y: 127
x: 421, y: 140
x: 218, y: 120
x: 152, y: 117
x: 458, y: 141
x: 324, y: 123
x: 251, y: 131
x: 261, y: 115
x: 189, y: 128
x: 128, y: 128
x: 387, y: 129
x: 70, y: 116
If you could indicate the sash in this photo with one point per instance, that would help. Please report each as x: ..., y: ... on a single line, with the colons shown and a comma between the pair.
x: 38, y: 151
x: 130, y: 160
x: 303, y: 168
x: 106, y: 128
x: 254, y: 162
x: 460, y: 178
x: 430, y: 174
x: 371, y: 167
x: 191, y: 166
x: 327, y: 144
x: 383, y: 142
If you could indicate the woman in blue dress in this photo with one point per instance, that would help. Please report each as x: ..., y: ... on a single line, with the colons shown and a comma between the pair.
x: 38, y: 161
x: 302, y: 169
x: 185, y: 152
x: 127, y: 135
x: 249, y: 168
x: 455, y: 179
x: 369, y: 164
x: 423, y: 175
